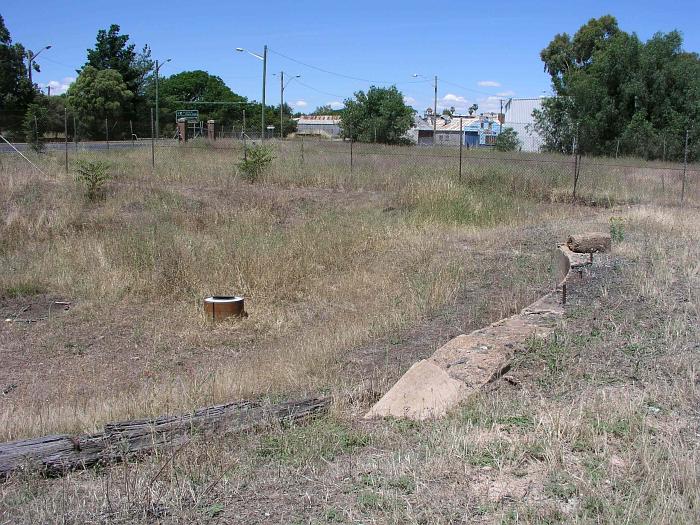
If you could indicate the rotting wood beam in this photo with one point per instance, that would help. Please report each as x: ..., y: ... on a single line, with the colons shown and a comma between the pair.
x: 57, y: 454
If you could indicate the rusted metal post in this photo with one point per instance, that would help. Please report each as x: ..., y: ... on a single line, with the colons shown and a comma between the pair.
x: 461, y: 142
x: 563, y: 293
x: 685, y: 166
x: 65, y: 132
x: 153, y: 142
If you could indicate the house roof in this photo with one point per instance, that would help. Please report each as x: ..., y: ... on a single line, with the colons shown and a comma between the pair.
x: 319, y: 119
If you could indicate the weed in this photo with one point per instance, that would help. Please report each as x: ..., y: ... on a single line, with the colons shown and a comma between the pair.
x: 257, y: 161
x: 322, y: 439
x: 93, y: 175
x: 617, y: 229
x: 561, y: 486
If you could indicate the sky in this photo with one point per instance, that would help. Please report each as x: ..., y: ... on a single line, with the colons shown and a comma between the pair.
x: 481, y: 53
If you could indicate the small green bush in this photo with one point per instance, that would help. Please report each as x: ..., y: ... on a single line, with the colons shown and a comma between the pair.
x: 92, y: 175
x: 258, y: 159
x: 617, y: 229
x: 507, y: 140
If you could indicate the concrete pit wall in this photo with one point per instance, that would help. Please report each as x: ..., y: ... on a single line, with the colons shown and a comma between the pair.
x: 465, y: 364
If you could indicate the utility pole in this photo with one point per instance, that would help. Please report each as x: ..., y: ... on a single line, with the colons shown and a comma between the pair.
x: 500, y: 126
x: 31, y: 57
x: 262, y: 120
x: 435, y: 112
x: 283, y: 86
x: 48, y: 91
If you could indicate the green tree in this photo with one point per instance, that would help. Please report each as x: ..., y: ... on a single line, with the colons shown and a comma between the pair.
x: 97, y: 95
x: 16, y: 92
x: 34, y: 125
x: 616, y: 93
x: 380, y: 113
x: 190, y: 89
x: 473, y: 108
x: 326, y: 109
x: 507, y: 140
x: 113, y: 51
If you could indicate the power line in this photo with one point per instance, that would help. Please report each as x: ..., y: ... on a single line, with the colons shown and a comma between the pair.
x: 342, y: 75
x: 319, y: 91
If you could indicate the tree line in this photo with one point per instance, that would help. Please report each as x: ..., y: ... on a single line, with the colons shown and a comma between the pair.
x: 117, y: 85
x: 617, y: 95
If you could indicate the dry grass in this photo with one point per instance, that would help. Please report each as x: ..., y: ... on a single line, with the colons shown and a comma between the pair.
x: 598, y: 425
x: 327, y: 264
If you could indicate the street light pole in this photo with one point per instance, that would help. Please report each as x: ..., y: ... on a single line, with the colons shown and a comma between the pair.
x: 264, y: 61
x: 263, y: 91
x: 158, y: 66
x: 31, y: 57
x: 435, y: 84
x: 283, y: 86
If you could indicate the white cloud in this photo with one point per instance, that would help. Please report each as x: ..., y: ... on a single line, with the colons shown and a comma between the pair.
x: 409, y: 100
x: 335, y: 104
x: 58, y: 87
x: 460, y: 103
x: 506, y: 94
x: 300, y: 104
x: 488, y: 83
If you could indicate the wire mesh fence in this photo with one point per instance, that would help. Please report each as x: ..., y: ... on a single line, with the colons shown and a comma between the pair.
x: 598, y: 180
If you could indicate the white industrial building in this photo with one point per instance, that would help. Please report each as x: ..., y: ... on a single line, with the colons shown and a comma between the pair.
x: 518, y: 115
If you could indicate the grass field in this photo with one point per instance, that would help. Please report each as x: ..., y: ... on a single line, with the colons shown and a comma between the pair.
x: 349, y: 277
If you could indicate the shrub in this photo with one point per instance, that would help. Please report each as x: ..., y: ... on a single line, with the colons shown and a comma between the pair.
x: 507, y: 140
x: 92, y: 175
x: 258, y: 159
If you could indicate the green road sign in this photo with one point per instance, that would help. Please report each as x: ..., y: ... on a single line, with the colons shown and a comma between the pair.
x: 191, y: 115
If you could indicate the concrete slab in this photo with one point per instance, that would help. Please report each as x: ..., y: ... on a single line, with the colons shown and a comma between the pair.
x: 425, y: 391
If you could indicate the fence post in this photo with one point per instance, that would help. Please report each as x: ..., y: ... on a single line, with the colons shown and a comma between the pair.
x: 461, y: 141
x: 685, y: 166
x: 107, y: 134
x: 350, y: 151
x: 153, y: 142
x: 577, y: 167
x: 65, y: 133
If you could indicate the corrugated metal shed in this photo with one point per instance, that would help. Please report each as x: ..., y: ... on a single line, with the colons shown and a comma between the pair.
x: 518, y: 115
x: 328, y: 125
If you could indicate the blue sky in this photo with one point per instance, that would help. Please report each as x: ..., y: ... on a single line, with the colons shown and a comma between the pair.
x: 480, y: 52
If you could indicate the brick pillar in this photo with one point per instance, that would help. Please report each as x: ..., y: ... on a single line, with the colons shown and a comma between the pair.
x: 210, y: 130
x: 182, y: 130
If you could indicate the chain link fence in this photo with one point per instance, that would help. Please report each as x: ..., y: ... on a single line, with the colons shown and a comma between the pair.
x: 557, y: 177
